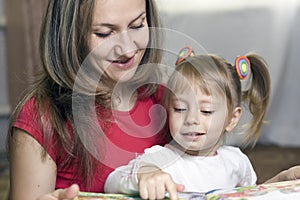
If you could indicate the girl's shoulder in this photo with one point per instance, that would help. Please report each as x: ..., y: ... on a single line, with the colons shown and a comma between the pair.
x: 160, y: 151
x: 230, y: 151
x: 234, y: 156
x: 154, y: 149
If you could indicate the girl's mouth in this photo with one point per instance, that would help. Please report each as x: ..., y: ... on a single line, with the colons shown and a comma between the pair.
x: 193, y: 135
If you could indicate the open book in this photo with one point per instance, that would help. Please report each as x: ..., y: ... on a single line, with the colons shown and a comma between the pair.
x: 289, y: 190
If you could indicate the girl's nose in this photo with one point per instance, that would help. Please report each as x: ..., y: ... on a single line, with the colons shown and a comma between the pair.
x: 193, y: 118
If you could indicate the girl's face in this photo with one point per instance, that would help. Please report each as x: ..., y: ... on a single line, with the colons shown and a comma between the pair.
x: 197, y: 121
x: 119, y: 37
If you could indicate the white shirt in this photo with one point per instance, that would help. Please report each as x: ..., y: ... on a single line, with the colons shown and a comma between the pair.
x: 228, y: 169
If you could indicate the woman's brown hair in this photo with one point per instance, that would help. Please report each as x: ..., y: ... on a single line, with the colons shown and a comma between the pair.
x: 63, y: 47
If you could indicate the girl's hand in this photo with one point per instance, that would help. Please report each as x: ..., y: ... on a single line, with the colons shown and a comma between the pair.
x: 154, y: 183
x: 62, y: 194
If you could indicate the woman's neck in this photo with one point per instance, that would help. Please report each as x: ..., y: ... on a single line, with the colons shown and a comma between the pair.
x: 123, y: 98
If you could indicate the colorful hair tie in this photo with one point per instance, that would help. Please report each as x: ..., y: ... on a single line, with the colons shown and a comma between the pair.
x: 184, y: 53
x: 242, y: 65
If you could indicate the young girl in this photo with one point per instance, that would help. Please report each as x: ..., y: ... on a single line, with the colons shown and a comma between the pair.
x: 204, y: 100
x: 65, y: 130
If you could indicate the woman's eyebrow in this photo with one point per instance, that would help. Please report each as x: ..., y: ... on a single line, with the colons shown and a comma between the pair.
x: 112, y: 25
x: 144, y: 12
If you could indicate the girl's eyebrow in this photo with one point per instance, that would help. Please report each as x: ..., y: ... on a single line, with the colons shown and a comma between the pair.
x: 112, y: 25
x: 205, y: 101
x: 184, y: 99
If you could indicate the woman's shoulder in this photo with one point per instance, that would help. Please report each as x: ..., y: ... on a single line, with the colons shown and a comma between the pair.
x: 159, y: 93
x: 28, y: 108
x: 155, y: 96
x: 28, y: 119
x: 27, y: 113
x: 33, y: 106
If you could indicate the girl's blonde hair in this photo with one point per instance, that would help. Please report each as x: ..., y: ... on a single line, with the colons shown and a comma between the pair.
x: 63, y: 47
x: 215, y: 76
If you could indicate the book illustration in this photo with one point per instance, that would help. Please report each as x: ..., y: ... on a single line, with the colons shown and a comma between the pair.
x: 103, y: 196
x: 263, y: 191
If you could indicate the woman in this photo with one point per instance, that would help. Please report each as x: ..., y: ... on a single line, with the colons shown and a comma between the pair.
x: 89, y: 110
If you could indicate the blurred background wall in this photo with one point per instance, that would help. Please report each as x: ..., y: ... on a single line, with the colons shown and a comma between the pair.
x: 226, y: 27
x: 3, y: 84
x: 19, y: 30
x: 4, y: 103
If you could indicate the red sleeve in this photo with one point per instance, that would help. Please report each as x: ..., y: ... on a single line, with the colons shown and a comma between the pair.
x: 29, y: 121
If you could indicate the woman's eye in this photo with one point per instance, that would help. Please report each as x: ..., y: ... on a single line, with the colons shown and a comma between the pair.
x: 102, y: 35
x: 138, y: 27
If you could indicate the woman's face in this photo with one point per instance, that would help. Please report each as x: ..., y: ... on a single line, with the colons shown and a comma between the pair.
x: 119, y: 37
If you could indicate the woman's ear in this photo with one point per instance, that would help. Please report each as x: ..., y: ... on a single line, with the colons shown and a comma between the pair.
x: 236, y: 115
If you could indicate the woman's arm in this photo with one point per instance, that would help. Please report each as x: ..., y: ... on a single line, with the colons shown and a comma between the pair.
x: 30, y: 175
x: 62, y: 194
x: 292, y: 173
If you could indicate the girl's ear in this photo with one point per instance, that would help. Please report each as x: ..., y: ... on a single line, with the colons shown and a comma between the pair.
x: 236, y: 115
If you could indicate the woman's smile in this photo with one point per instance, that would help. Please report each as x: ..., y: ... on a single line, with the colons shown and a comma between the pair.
x: 123, y: 63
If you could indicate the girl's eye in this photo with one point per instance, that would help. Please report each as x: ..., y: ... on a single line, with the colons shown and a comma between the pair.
x: 179, y: 109
x: 207, y: 112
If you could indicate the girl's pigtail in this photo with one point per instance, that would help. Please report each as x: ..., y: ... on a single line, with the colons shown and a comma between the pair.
x: 257, y: 96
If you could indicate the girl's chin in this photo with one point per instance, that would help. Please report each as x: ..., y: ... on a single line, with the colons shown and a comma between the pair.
x: 195, y: 149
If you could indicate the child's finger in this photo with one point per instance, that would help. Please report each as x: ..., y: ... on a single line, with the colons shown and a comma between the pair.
x: 160, y: 190
x: 143, y: 189
x: 171, y: 188
x: 152, y: 192
x: 179, y: 187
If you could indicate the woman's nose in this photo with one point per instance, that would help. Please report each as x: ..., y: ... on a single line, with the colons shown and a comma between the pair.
x: 125, y: 44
